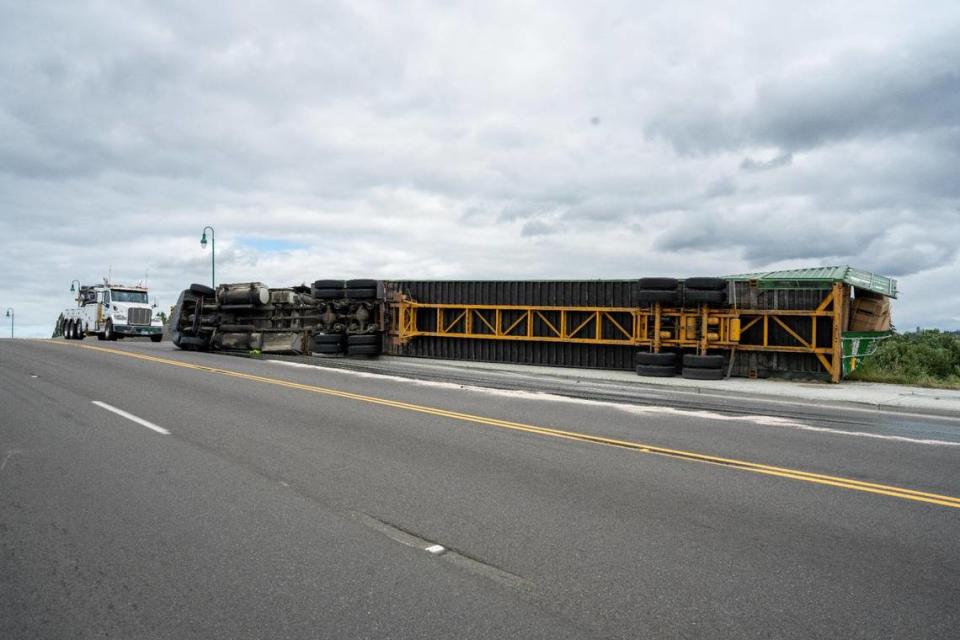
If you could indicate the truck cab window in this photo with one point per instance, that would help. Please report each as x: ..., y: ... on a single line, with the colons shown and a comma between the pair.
x: 120, y: 295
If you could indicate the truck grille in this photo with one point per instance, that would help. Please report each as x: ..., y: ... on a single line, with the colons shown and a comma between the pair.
x: 138, y: 316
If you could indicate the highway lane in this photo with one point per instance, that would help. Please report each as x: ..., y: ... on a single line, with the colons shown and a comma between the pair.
x: 274, y: 511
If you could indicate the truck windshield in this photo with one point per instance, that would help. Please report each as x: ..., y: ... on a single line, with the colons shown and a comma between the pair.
x: 119, y: 295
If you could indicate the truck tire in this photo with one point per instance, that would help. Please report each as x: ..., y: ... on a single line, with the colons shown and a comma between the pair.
x: 359, y: 339
x: 703, y: 362
x: 108, y: 332
x: 656, y: 370
x: 363, y: 350
x: 649, y: 296
x: 328, y: 343
x: 202, y: 290
x: 695, y: 373
x: 327, y: 294
x: 664, y: 358
x: 705, y: 284
x: 659, y: 284
x: 327, y: 349
x: 696, y: 296
x: 328, y: 284
x: 361, y: 294
x: 361, y: 283
x: 80, y: 333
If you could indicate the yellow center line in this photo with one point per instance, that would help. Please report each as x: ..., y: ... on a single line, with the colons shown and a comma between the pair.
x: 783, y: 472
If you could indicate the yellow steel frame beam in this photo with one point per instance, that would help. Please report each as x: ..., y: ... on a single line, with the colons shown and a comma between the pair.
x: 655, y: 327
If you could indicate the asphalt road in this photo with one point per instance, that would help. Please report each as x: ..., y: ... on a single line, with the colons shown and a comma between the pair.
x: 234, y: 498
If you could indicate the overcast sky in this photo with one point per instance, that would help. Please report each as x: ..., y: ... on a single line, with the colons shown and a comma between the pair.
x: 476, y: 140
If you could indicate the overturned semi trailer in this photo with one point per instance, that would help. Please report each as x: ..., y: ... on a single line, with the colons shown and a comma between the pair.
x: 330, y: 317
x: 804, y: 323
x: 807, y: 323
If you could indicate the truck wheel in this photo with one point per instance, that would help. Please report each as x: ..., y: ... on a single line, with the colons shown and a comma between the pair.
x: 695, y: 373
x: 202, y: 290
x: 369, y: 293
x: 363, y: 350
x: 658, y: 284
x: 704, y: 362
x: 156, y: 338
x: 664, y: 358
x: 80, y: 333
x: 696, y: 296
x: 361, y: 283
x: 327, y: 348
x: 108, y: 332
x: 328, y: 284
x: 646, y: 297
x: 657, y: 370
x: 327, y: 294
x: 706, y: 284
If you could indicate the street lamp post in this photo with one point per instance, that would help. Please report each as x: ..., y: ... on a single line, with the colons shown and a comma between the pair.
x: 213, y: 254
x: 72, y: 290
x: 11, y: 315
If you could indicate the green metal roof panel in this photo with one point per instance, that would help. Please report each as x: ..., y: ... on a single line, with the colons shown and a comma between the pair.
x: 804, y: 278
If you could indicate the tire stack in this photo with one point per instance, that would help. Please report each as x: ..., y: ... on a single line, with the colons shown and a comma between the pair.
x: 349, y: 324
x: 709, y: 291
x: 361, y: 289
x: 364, y: 344
x: 656, y: 365
x: 709, y: 367
x: 328, y: 343
x: 328, y: 289
x: 663, y: 290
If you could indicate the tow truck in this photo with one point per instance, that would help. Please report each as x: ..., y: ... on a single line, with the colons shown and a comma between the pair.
x: 110, y: 311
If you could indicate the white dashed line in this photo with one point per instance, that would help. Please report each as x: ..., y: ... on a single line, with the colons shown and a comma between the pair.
x: 131, y: 417
x: 436, y: 548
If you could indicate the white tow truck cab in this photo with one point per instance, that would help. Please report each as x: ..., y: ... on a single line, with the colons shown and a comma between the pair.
x: 110, y: 311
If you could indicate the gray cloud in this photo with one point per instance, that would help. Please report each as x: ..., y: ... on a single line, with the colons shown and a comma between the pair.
x: 533, y: 228
x: 445, y: 141
x: 782, y: 160
x: 855, y: 94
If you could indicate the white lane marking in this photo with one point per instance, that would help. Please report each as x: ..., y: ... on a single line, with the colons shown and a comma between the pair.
x: 436, y: 548
x: 766, y: 421
x: 10, y: 454
x: 131, y: 417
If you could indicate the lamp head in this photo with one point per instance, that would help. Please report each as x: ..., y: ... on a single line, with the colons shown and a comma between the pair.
x: 72, y: 288
x: 203, y: 240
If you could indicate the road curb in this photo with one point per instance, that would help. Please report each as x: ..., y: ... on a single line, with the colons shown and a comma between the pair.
x: 573, y: 386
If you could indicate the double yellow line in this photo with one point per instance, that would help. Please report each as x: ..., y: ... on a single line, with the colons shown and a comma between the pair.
x: 782, y: 472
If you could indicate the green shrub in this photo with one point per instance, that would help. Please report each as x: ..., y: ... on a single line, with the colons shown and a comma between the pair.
x: 927, y: 358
